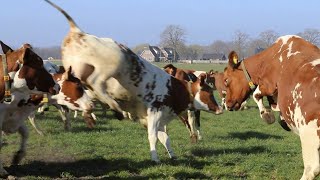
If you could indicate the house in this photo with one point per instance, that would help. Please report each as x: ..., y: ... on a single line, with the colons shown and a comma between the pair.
x: 157, y: 54
x: 214, y: 56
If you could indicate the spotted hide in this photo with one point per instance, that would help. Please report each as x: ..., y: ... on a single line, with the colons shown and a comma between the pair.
x: 27, y: 76
x: 71, y: 96
x: 202, y: 81
x: 95, y: 60
x: 288, y: 74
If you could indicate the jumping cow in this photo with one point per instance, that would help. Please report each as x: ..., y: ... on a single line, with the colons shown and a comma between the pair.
x: 95, y: 60
x: 288, y: 74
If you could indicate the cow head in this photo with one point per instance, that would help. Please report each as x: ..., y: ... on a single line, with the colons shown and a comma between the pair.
x: 203, y: 96
x: 72, y: 93
x: 26, y: 70
x: 236, y: 83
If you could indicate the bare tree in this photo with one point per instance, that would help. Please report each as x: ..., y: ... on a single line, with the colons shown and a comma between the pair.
x: 240, y: 41
x: 173, y: 36
x: 219, y: 46
x: 268, y: 37
x: 311, y: 35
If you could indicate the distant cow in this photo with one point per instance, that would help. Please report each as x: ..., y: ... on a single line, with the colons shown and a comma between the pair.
x: 288, y: 74
x: 95, y: 60
x: 189, y: 76
x: 26, y: 76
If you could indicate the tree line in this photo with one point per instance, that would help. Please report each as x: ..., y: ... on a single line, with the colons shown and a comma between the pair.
x: 174, y: 36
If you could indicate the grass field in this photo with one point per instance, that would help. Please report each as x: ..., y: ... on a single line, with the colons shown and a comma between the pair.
x: 235, y: 145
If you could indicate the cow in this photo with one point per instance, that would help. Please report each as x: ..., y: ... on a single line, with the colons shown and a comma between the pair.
x: 26, y: 76
x: 72, y: 95
x: 287, y: 73
x: 202, y: 78
x: 161, y: 97
x: 217, y: 78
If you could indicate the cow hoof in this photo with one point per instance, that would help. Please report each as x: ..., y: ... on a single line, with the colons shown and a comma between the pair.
x: 18, y: 157
x: 118, y: 115
x: 194, y: 138
x: 268, y: 117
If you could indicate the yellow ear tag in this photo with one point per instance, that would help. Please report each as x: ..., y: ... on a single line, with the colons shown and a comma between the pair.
x: 235, y: 59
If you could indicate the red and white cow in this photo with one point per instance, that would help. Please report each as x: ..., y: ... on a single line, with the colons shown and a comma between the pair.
x: 27, y: 76
x: 71, y: 96
x: 95, y: 60
x: 288, y: 73
x: 201, y: 77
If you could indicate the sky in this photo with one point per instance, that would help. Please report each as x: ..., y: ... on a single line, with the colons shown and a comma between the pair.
x: 133, y: 22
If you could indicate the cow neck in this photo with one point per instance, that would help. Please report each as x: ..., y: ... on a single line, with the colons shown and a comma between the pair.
x: 250, y: 82
x: 6, y: 78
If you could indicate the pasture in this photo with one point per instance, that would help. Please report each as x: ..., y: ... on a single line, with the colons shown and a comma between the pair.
x: 235, y: 145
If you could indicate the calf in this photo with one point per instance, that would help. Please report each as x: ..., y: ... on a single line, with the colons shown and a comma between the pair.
x: 202, y: 79
x: 161, y: 97
x: 26, y: 76
x: 288, y: 74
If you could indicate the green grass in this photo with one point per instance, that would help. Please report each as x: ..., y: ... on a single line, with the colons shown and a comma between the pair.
x: 235, y: 145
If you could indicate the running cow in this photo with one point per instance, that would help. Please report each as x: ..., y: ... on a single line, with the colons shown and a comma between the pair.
x: 288, y: 74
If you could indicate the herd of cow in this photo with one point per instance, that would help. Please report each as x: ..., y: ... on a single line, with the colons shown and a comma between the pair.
x: 287, y: 73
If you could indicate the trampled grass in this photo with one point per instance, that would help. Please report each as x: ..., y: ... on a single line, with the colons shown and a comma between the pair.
x: 235, y: 145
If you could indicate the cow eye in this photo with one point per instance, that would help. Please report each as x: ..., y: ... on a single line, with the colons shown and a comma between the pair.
x: 226, y: 82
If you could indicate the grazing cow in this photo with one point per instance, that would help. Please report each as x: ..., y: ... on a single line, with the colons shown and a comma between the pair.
x: 95, y: 60
x: 71, y: 96
x: 288, y: 73
x: 203, y: 79
x: 26, y: 76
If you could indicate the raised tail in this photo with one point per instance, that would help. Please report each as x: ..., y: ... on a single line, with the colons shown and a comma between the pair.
x: 73, y: 25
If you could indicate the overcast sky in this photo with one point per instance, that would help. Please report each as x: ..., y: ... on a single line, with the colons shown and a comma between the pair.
x: 133, y: 22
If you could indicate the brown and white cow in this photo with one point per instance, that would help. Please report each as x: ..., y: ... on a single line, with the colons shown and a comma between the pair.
x: 203, y: 79
x: 95, y: 60
x: 72, y: 96
x: 288, y: 73
x: 27, y: 76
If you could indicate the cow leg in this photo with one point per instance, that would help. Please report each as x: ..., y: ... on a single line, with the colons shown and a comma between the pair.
x: 197, y: 118
x: 24, y: 133
x: 165, y: 140
x: 265, y: 114
x: 65, y: 116
x: 153, y: 124
x: 191, y: 120
x: 310, y: 144
x: 31, y: 118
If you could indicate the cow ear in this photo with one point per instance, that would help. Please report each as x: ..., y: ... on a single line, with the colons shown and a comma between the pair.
x: 234, y: 61
x: 5, y: 48
x: 30, y: 57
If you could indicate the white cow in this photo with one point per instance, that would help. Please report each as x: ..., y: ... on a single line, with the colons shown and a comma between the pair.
x: 95, y: 60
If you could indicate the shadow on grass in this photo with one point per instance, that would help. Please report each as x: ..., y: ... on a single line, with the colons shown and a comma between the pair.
x: 99, y: 169
x: 92, y: 168
x: 81, y: 129
x: 217, y: 152
x: 253, y: 134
